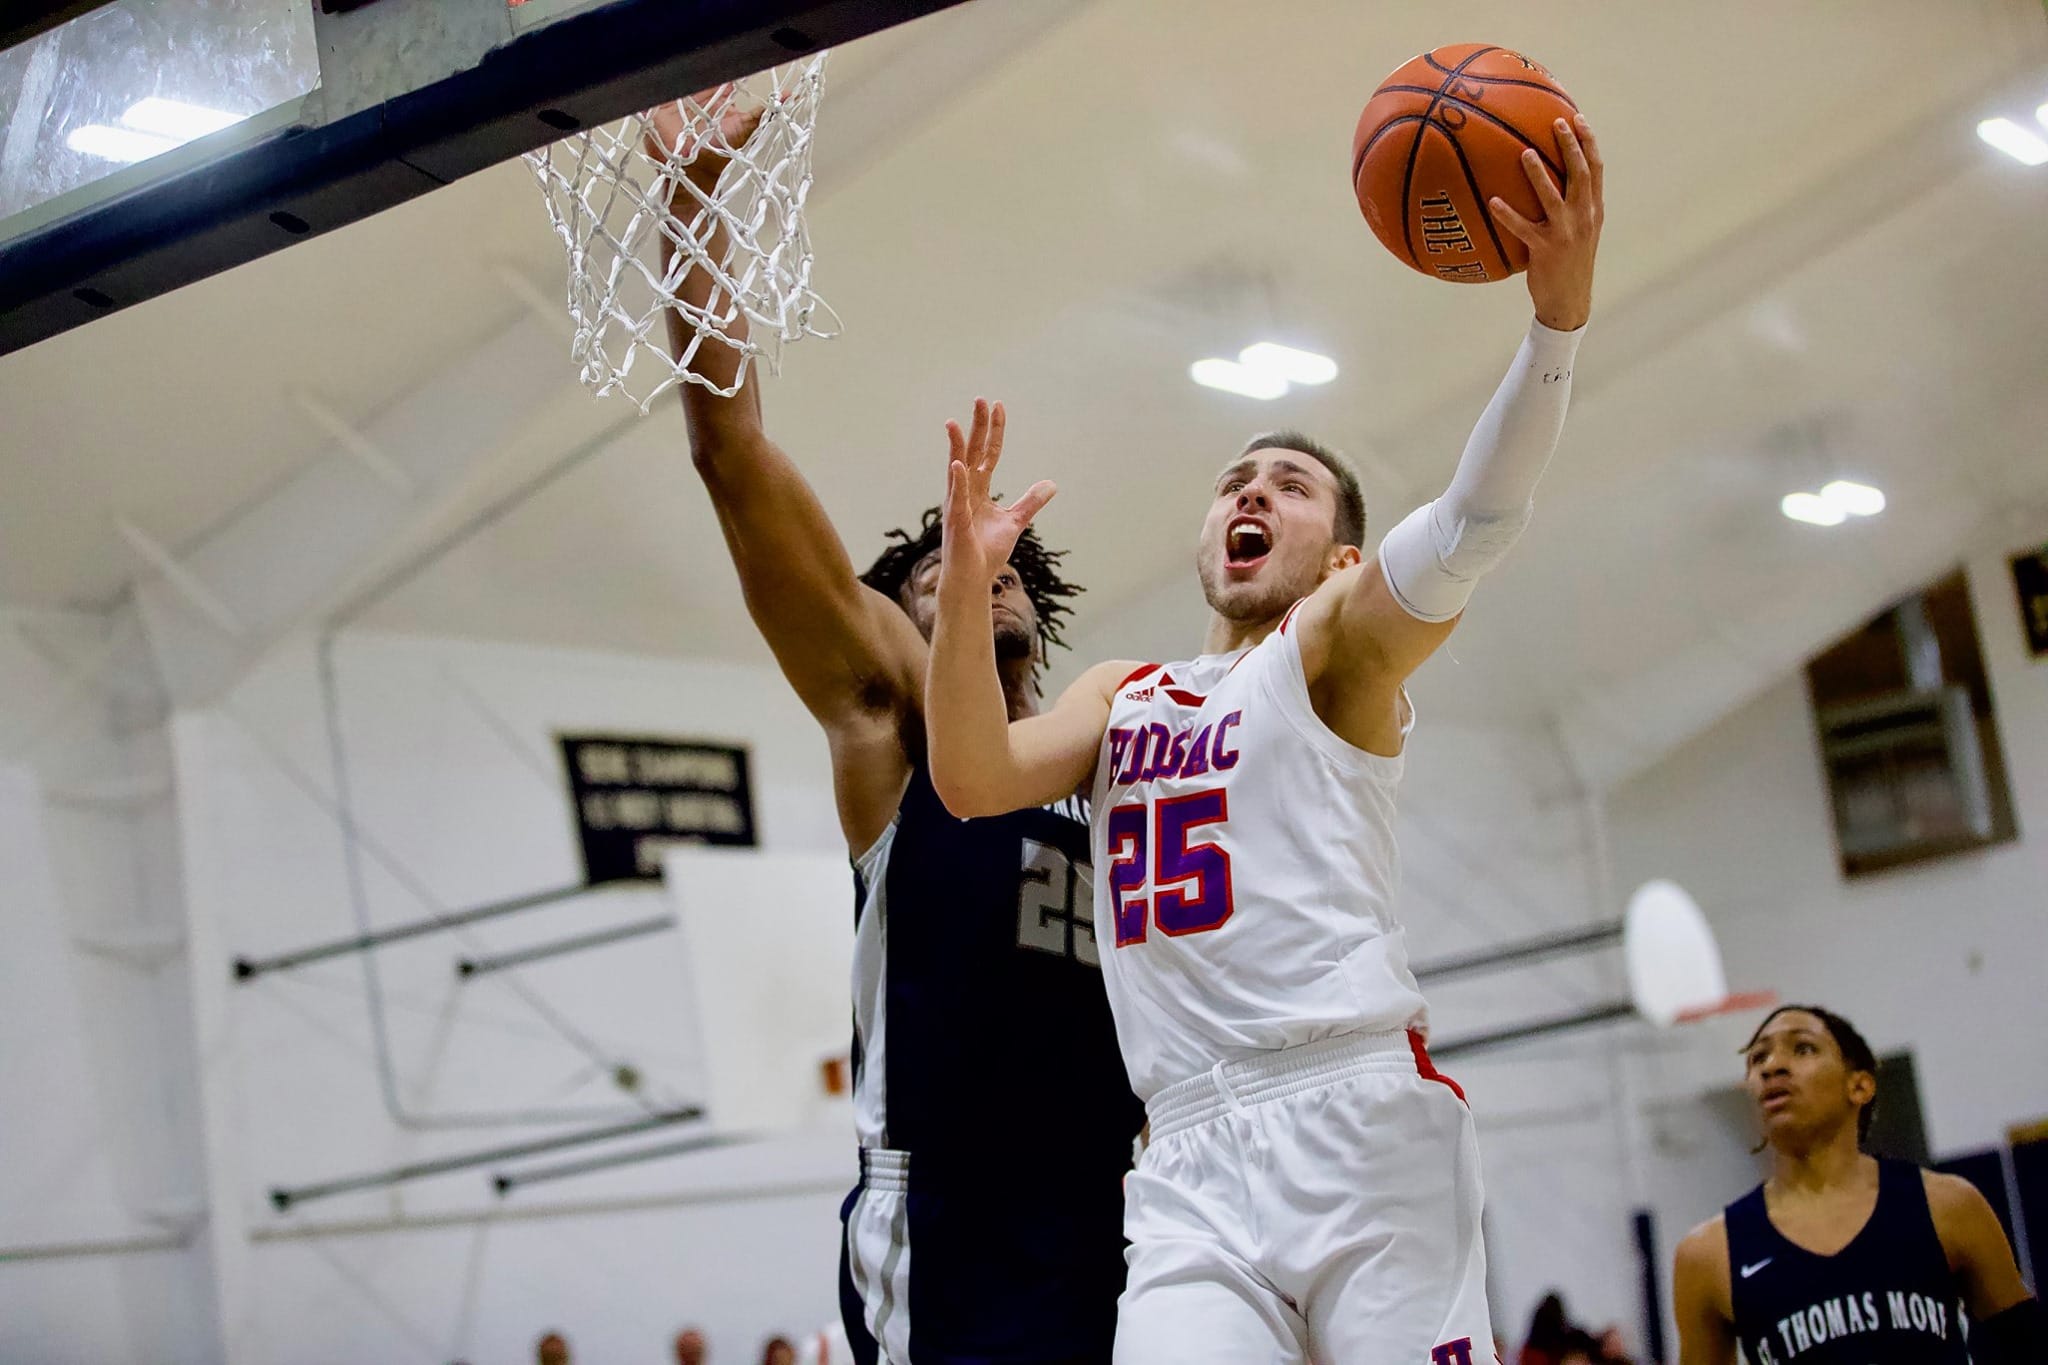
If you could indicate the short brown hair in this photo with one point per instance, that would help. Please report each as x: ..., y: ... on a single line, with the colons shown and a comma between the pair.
x: 1350, y: 524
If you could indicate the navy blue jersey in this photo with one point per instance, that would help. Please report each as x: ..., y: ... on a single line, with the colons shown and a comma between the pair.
x: 1888, y: 1297
x: 982, y: 1031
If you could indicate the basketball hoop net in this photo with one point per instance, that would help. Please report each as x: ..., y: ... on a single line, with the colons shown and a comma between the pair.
x: 610, y: 201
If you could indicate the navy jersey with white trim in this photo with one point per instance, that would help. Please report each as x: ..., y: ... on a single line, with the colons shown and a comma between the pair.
x: 1887, y: 1298
x: 981, y: 1026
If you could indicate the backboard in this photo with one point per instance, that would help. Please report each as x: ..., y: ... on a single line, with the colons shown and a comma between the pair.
x: 146, y: 144
x: 769, y: 952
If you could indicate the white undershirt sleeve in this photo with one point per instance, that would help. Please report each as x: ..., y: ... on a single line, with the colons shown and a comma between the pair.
x: 1441, y: 549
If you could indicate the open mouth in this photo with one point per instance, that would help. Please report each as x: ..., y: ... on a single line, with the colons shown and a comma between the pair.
x: 1246, y: 542
x: 1775, y: 1098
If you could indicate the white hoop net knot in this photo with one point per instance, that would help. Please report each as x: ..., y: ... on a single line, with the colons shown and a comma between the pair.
x: 614, y: 204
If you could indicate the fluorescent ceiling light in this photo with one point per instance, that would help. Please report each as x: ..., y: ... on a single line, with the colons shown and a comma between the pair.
x: 1834, y: 504
x: 116, y: 144
x: 2026, y: 147
x: 1812, y: 509
x: 1265, y: 369
x: 1857, y: 499
x: 1294, y: 366
x: 175, y: 119
x: 1231, y: 377
x: 2041, y: 116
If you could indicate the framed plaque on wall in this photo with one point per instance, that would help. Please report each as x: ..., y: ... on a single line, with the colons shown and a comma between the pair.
x: 634, y: 796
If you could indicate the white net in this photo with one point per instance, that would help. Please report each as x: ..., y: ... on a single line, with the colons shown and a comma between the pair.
x: 649, y: 232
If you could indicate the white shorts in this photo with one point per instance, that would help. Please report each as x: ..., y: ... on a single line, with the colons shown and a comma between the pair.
x: 1318, y: 1204
x: 875, y: 1263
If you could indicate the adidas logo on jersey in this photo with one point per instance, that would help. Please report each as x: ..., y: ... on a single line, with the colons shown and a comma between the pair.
x: 1140, y: 693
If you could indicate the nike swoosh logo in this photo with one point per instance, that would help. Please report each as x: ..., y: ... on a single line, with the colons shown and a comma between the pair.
x: 1750, y: 1270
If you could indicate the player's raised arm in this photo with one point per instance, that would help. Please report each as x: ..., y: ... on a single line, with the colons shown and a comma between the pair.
x: 982, y: 763
x: 843, y: 646
x: 1401, y: 608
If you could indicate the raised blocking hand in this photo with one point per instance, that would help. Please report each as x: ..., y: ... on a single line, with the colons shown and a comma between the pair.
x: 980, y: 532
x: 669, y: 131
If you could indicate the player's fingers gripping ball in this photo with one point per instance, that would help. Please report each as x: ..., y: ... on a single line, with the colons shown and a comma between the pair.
x: 1442, y: 137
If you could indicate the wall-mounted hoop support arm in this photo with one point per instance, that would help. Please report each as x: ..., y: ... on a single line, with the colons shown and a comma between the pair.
x: 249, y: 968
x: 286, y: 1197
x: 483, y: 966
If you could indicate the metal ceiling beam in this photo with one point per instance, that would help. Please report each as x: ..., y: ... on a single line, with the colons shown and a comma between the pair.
x: 282, y: 185
x: 26, y: 19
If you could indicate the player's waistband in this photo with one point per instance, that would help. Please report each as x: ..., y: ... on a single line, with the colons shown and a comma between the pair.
x: 1082, y: 1175
x: 884, y: 1168
x: 1250, y: 1081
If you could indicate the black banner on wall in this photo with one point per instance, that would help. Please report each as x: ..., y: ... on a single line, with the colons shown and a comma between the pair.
x: 2030, y: 579
x: 636, y: 797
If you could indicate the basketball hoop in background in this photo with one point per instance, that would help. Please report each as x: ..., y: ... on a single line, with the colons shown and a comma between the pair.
x: 1673, y: 963
x: 767, y: 957
x: 609, y: 199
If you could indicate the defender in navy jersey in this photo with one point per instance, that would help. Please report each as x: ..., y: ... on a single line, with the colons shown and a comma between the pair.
x: 994, y: 1115
x: 1840, y: 1258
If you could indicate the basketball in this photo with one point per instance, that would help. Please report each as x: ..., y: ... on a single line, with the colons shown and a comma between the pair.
x: 1441, y: 137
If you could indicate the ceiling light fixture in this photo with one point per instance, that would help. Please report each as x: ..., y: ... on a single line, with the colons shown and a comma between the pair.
x: 1812, y: 509
x: 1264, y: 370
x: 1834, y: 504
x: 1232, y: 377
x: 1294, y: 366
x: 1857, y: 499
x: 175, y: 119
x: 2041, y: 116
x: 2021, y: 144
x: 116, y: 144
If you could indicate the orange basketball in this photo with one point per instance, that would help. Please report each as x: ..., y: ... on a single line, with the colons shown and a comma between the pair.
x: 1441, y: 137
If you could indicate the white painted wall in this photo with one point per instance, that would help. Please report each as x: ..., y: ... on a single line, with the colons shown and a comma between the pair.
x: 57, y: 1184
x: 97, y: 1127
x: 1495, y: 847
x: 1944, y: 959
x: 459, y: 801
x: 449, y: 746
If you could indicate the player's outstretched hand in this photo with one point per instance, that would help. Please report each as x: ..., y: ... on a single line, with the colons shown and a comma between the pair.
x: 668, y: 132
x: 979, y: 532
x: 1562, y: 245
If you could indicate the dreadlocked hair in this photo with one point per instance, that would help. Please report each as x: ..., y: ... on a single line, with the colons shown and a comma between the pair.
x: 1037, y: 569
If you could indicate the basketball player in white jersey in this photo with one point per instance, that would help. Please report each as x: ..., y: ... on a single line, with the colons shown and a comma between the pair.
x: 1311, y: 1187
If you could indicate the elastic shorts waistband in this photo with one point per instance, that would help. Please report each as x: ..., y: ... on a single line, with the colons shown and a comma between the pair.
x: 883, y: 1168
x: 1250, y: 1081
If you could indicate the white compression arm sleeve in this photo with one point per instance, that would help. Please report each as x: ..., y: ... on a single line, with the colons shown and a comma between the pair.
x: 1440, y: 550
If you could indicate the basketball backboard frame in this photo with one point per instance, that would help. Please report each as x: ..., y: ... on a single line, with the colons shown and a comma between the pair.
x: 26, y: 19
x: 413, y: 94
x: 769, y: 950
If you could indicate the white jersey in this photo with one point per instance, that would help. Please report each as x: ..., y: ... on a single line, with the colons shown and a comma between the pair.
x: 1245, y: 868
